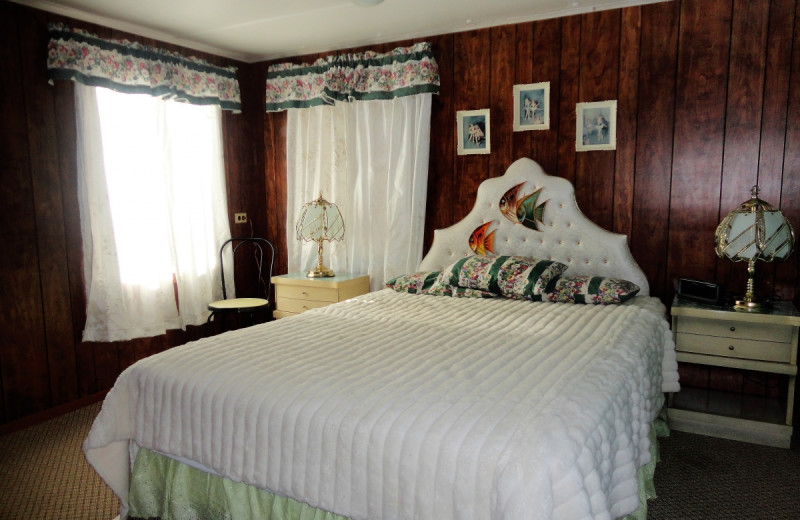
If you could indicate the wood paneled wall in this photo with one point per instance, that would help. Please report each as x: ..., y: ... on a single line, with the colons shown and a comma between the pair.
x: 43, y: 363
x: 705, y: 110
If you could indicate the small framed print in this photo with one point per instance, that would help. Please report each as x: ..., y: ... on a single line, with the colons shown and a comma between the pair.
x: 532, y: 106
x: 596, y: 126
x: 472, y: 131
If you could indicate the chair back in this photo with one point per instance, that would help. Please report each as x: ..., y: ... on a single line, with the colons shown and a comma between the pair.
x: 259, y: 244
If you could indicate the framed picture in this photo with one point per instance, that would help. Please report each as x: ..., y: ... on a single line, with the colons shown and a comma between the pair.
x: 532, y: 106
x: 472, y: 131
x: 596, y: 126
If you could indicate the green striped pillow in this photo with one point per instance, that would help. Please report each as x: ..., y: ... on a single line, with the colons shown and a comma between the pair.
x: 590, y: 289
x: 428, y: 282
x: 413, y: 283
x: 509, y: 276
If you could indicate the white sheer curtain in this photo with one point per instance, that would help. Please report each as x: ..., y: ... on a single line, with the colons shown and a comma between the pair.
x: 371, y: 159
x: 153, y: 212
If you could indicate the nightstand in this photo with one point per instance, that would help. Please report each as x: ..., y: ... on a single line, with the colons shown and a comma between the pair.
x: 764, y: 341
x: 296, y: 293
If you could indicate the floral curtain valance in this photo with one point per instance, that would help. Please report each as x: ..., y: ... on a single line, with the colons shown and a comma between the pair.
x: 130, y: 67
x: 405, y: 71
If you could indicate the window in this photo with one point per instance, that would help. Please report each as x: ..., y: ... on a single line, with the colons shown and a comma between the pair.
x: 153, y: 211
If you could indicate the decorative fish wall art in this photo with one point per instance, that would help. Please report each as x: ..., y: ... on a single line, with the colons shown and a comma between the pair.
x: 481, y: 241
x: 516, y: 206
x: 521, y: 208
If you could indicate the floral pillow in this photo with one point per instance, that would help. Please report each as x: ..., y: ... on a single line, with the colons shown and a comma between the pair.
x: 413, y: 283
x: 590, y: 289
x: 509, y: 276
x: 427, y: 283
x: 441, y: 289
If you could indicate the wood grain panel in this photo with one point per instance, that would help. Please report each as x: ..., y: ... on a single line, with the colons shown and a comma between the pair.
x: 471, y: 92
x: 654, y: 142
x: 777, y: 69
x: 523, y: 75
x: 501, y: 98
x: 107, y: 362
x: 10, y: 91
x: 47, y: 198
x: 67, y: 138
x: 251, y: 120
x: 694, y: 375
x: 743, y: 121
x: 725, y: 379
x: 699, y: 136
x: 546, y: 67
x: 438, y: 208
x: 23, y: 349
x: 771, y: 170
x: 627, y: 109
x: 276, y: 185
x: 787, y: 274
x: 238, y: 201
x: 568, y: 95
x: 598, y: 81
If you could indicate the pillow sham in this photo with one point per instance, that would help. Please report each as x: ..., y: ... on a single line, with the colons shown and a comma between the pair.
x: 427, y: 282
x: 414, y: 282
x: 514, y: 277
x: 441, y: 289
x: 589, y: 289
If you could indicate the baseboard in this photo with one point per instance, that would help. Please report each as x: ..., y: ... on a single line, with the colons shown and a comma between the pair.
x: 51, y: 413
x: 768, y: 434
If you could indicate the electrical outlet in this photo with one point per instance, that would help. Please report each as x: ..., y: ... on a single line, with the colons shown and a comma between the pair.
x: 240, y: 218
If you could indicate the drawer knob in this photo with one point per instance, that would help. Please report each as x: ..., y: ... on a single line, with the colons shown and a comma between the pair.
x: 730, y: 347
x: 733, y: 329
x: 306, y: 294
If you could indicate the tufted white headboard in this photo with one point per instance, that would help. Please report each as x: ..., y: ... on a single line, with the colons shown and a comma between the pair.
x: 552, y: 228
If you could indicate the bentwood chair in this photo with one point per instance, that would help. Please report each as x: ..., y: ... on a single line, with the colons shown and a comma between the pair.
x: 263, y: 286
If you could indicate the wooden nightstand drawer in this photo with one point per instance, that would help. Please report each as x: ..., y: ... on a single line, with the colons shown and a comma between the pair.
x: 735, y: 329
x: 296, y: 306
x: 297, y: 293
x: 302, y: 292
x: 741, y: 348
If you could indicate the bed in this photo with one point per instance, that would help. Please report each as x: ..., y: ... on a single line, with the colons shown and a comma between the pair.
x: 517, y: 375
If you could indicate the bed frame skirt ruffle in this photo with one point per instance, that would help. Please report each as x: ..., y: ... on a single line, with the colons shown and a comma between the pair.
x: 165, y: 489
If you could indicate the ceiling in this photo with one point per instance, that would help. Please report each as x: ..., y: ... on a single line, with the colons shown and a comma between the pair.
x: 258, y: 30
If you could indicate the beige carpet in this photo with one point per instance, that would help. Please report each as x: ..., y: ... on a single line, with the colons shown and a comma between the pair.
x: 704, y: 478
x: 44, y: 475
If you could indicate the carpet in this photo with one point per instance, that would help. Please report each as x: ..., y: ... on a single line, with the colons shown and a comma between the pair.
x: 702, y: 477
x: 44, y: 475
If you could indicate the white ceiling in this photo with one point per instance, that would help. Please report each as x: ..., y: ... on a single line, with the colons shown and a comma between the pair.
x: 257, y: 30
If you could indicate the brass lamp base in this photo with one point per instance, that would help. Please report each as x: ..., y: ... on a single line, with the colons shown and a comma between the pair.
x: 320, y: 272
x: 749, y: 305
x: 749, y: 301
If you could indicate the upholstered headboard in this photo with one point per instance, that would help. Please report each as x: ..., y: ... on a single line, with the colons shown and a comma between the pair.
x: 529, y: 213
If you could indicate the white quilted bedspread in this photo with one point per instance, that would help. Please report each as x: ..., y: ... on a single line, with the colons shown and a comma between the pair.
x: 397, y: 406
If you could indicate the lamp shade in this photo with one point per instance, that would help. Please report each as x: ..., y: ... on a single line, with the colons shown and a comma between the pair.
x: 754, y: 231
x: 320, y: 221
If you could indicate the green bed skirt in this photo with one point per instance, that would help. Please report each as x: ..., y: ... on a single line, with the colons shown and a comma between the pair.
x: 169, y: 490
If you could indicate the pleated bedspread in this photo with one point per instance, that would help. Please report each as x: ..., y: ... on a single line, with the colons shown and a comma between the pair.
x: 399, y: 406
